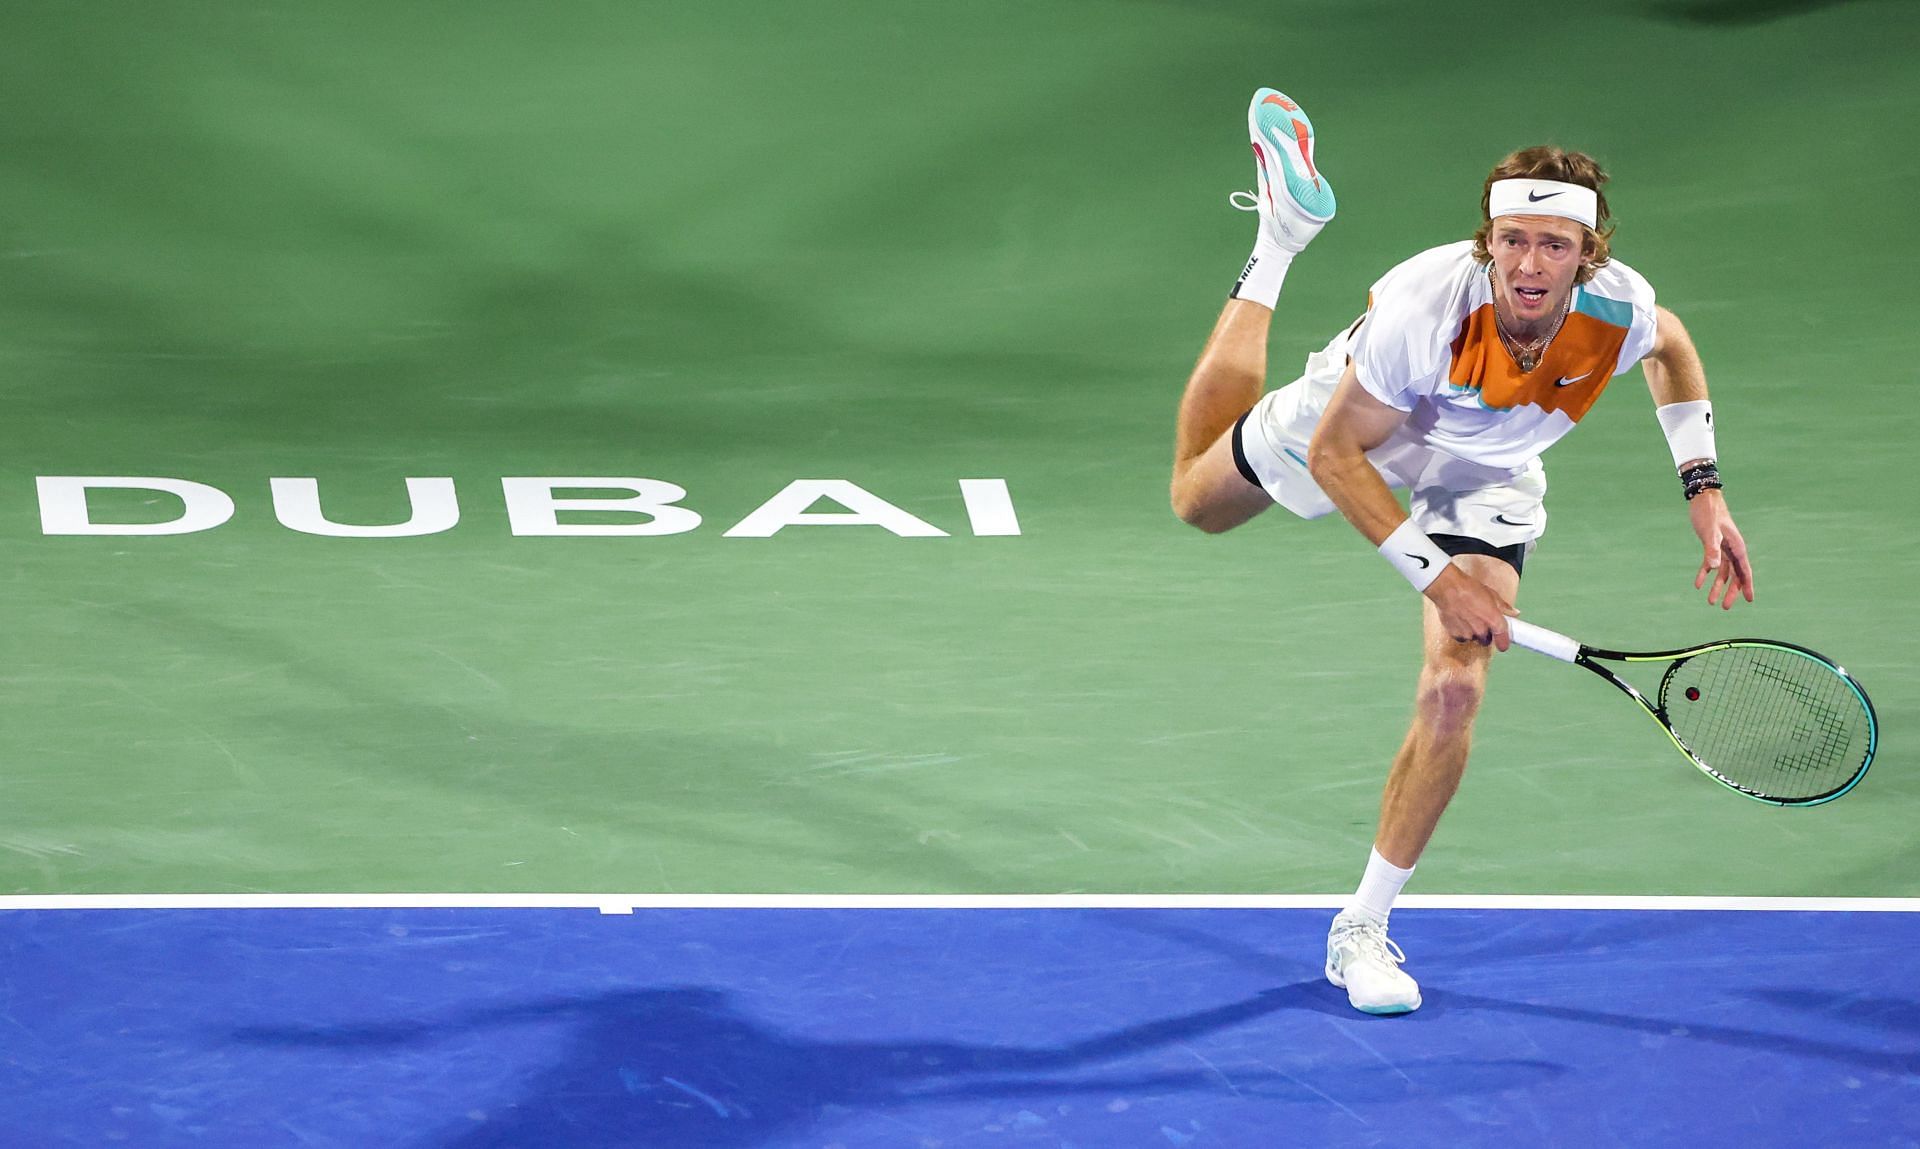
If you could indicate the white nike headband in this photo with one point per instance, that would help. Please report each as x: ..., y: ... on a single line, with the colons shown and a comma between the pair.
x: 1544, y: 197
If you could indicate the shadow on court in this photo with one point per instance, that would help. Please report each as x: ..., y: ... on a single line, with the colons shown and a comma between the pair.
x: 1501, y: 949
x: 1882, y: 1013
x: 683, y: 1066
x: 1439, y: 1002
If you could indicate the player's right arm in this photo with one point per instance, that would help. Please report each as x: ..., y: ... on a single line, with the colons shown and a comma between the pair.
x: 1354, y: 423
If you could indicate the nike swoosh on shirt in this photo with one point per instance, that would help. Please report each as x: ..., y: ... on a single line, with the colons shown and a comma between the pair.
x: 1565, y: 381
x: 1532, y: 198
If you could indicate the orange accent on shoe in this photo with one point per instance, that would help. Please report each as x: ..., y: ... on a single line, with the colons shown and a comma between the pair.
x: 1305, y: 139
x: 1266, y: 184
x: 1277, y: 98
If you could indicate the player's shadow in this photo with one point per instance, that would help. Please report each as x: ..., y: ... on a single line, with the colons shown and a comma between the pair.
x: 1904, y: 1063
x: 1316, y: 993
x: 1885, y: 1014
x: 682, y: 1066
x: 1888, y: 1014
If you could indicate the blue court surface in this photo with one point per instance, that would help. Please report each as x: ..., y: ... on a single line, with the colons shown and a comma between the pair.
x: 942, y: 1028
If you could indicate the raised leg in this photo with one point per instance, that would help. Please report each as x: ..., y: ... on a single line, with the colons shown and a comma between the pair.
x: 1209, y: 491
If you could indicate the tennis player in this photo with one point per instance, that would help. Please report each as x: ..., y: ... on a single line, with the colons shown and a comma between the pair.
x: 1471, y: 359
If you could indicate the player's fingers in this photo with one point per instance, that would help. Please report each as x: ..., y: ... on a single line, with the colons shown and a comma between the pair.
x: 1711, y: 545
x: 1743, y: 567
x: 1740, y: 585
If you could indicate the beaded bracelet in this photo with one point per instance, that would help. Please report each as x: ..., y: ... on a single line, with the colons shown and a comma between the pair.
x: 1700, y: 477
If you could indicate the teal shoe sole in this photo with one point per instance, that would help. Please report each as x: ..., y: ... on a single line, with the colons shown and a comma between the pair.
x: 1282, y: 125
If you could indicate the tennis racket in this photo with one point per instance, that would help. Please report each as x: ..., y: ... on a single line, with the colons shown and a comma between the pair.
x: 1771, y: 720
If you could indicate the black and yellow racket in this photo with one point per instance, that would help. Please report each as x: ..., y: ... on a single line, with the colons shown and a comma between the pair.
x: 1771, y: 720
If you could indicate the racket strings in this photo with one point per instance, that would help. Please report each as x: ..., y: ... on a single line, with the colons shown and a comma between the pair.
x: 1772, y: 720
x: 1826, y: 721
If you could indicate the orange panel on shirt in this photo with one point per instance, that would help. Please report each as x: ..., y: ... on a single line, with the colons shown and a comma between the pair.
x: 1584, y: 352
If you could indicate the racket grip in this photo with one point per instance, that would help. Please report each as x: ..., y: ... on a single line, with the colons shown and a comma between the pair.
x: 1540, y: 640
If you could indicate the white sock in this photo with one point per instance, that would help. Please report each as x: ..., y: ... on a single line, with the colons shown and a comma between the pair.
x: 1378, y: 887
x: 1266, y: 270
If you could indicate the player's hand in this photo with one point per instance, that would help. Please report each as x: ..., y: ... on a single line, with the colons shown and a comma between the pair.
x: 1470, y: 610
x: 1725, y: 552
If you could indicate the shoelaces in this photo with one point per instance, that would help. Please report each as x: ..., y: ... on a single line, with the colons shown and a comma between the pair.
x: 1369, y: 941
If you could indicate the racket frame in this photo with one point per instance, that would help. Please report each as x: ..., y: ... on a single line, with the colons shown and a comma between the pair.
x: 1555, y: 645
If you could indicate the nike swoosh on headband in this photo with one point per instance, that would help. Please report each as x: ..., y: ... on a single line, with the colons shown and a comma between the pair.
x: 1532, y: 198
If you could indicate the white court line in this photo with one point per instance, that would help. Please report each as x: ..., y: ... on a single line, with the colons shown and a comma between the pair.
x: 628, y: 903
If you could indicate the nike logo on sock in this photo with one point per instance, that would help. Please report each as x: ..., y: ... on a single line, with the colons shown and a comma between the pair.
x: 1242, y: 281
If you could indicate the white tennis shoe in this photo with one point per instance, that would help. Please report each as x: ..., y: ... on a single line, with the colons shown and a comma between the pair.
x: 1294, y: 198
x: 1365, y: 962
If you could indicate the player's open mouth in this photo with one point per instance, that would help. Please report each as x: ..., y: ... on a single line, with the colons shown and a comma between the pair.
x: 1533, y: 295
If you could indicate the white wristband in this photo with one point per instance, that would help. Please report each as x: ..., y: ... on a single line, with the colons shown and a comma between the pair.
x: 1689, y: 428
x: 1414, y: 555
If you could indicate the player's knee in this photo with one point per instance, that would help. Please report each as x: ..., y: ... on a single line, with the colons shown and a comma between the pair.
x: 1450, y: 695
x: 1203, y: 518
x: 1195, y: 510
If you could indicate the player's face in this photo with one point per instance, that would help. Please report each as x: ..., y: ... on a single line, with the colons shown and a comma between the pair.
x: 1535, y: 258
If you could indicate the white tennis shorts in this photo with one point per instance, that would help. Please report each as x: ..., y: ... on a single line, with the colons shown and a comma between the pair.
x: 1447, y: 495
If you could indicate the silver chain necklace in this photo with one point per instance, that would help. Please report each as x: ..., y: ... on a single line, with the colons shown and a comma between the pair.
x: 1525, y: 355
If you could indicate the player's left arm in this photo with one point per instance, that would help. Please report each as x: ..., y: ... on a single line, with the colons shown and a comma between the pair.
x: 1679, y: 386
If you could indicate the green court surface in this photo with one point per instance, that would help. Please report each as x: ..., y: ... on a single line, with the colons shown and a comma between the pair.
x: 730, y: 246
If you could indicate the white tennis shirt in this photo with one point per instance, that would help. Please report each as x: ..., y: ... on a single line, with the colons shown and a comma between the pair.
x: 1428, y: 346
